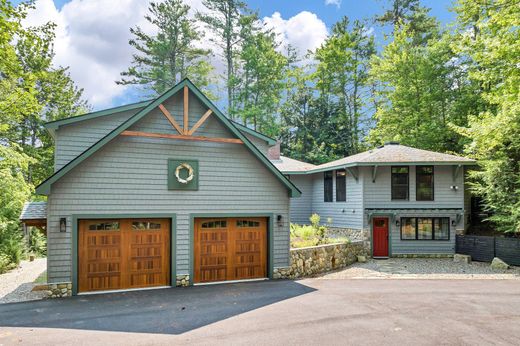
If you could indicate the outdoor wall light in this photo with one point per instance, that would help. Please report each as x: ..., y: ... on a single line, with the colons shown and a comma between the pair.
x: 63, y: 224
x: 396, y: 222
x: 453, y: 222
x: 279, y: 219
x: 454, y: 187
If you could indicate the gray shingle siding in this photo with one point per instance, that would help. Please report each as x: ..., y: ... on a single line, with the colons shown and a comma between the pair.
x: 347, y: 214
x: 259, y: 143
x: 129, y: 176
x: 71, y: 140
x: 301, y: 207
x: 378, y: 195
x: 365, y: 197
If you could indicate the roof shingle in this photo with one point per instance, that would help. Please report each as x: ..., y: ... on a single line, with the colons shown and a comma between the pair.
x: 34, y: 211
x: 286, y: 164
x: 387, y: 154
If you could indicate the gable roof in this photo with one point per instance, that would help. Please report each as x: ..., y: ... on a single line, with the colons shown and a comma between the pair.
x: 390, y: 154
x: 288, y: 166
x: 52, y: 126
x: 34, y: 211
x: 243, y: 128
x: 44, y: 187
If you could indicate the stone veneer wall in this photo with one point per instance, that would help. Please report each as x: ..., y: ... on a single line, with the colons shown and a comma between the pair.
x: 182, y: 280
x: 59, y: 290
x: 314, y: 260
x: 351, y: 233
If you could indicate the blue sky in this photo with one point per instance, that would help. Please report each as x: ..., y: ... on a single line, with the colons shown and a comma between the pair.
x: 92, y: 35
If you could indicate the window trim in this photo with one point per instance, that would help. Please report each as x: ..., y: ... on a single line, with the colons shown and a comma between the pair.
x: 344, y: 177
x: 392, y: 184
x: 417, y: 184
x: 433, y: 218
x: 331, y: 186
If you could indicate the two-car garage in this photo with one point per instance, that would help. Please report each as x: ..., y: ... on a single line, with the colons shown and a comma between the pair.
x: 136, y: 253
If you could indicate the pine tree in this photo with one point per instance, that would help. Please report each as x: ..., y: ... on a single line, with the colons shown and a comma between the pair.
x: 164, y: 59
x: 227, y: 20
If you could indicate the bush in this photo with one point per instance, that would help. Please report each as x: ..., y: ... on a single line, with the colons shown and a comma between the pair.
x: 313, y: 234
x: 5, y: 264
x: 37, y: 243
x: 12, y: 244
x: 319, y: 231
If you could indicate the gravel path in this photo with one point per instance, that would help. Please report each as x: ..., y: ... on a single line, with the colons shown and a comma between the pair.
x: 16, y: 285
x: 422, y: 268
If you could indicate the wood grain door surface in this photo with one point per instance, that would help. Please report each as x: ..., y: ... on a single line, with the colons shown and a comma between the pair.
x: 230, y: 249
x: 123, y: 253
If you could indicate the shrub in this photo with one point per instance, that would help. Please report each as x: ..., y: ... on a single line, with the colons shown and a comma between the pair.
x: 37, y: 243
x: 5, y: 264
x: 12, y: 245
x: 319, y: 231
x: 313, y: 234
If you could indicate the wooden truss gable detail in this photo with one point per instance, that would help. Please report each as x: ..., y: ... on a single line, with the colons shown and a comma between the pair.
x: 185, y: 132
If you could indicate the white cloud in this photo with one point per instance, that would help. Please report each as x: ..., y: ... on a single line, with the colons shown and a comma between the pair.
x: 333, y: 2
x: 305, y: 31
x: 92, y: 38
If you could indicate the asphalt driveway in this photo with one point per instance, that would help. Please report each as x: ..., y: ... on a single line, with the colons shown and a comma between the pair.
x: 310, y: 311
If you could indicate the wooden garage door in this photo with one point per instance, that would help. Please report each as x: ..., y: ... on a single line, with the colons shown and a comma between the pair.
x: 123, y: 253
x: 230, y: 249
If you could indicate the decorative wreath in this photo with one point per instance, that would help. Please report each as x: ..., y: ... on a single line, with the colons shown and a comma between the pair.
x: 178, y: 171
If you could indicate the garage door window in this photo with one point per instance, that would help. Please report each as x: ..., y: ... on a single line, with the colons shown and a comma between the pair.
x: 215, y: 224
x: 104, y: 226
x: 247, y: 223
x: 145, y: 225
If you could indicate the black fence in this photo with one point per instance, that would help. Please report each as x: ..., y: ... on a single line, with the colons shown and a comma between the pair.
x: 483, y: 249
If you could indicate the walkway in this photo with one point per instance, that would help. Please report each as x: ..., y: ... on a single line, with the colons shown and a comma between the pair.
x: 16, y: 285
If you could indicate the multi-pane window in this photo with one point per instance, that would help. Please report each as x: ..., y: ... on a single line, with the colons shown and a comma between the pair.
x: 424, y: 182
x: 341, y: 185
x: 327, y: 186
x: 247, y: 223
x: 215, y: 224
x: 425, y: 228
x: 104, y: 226
x: 408, y: 228
x: 400, y: 183
x: 145, y: 225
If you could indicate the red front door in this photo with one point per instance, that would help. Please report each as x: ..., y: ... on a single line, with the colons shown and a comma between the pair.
x: 380, y: 236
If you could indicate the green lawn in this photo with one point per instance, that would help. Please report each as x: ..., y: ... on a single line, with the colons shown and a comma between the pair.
x: 42, y: 279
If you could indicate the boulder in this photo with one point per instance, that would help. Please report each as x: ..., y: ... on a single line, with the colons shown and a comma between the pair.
x: 497, y: 263
x: 462, y: 258
x: 361, y: 259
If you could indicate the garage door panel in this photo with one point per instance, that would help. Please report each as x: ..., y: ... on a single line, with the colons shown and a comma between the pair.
x: 230, y: 249
x: 132, y: 254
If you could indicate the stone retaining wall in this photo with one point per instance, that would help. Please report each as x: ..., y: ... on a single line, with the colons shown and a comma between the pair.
x: 350, y: 233
x: 310, y: 261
